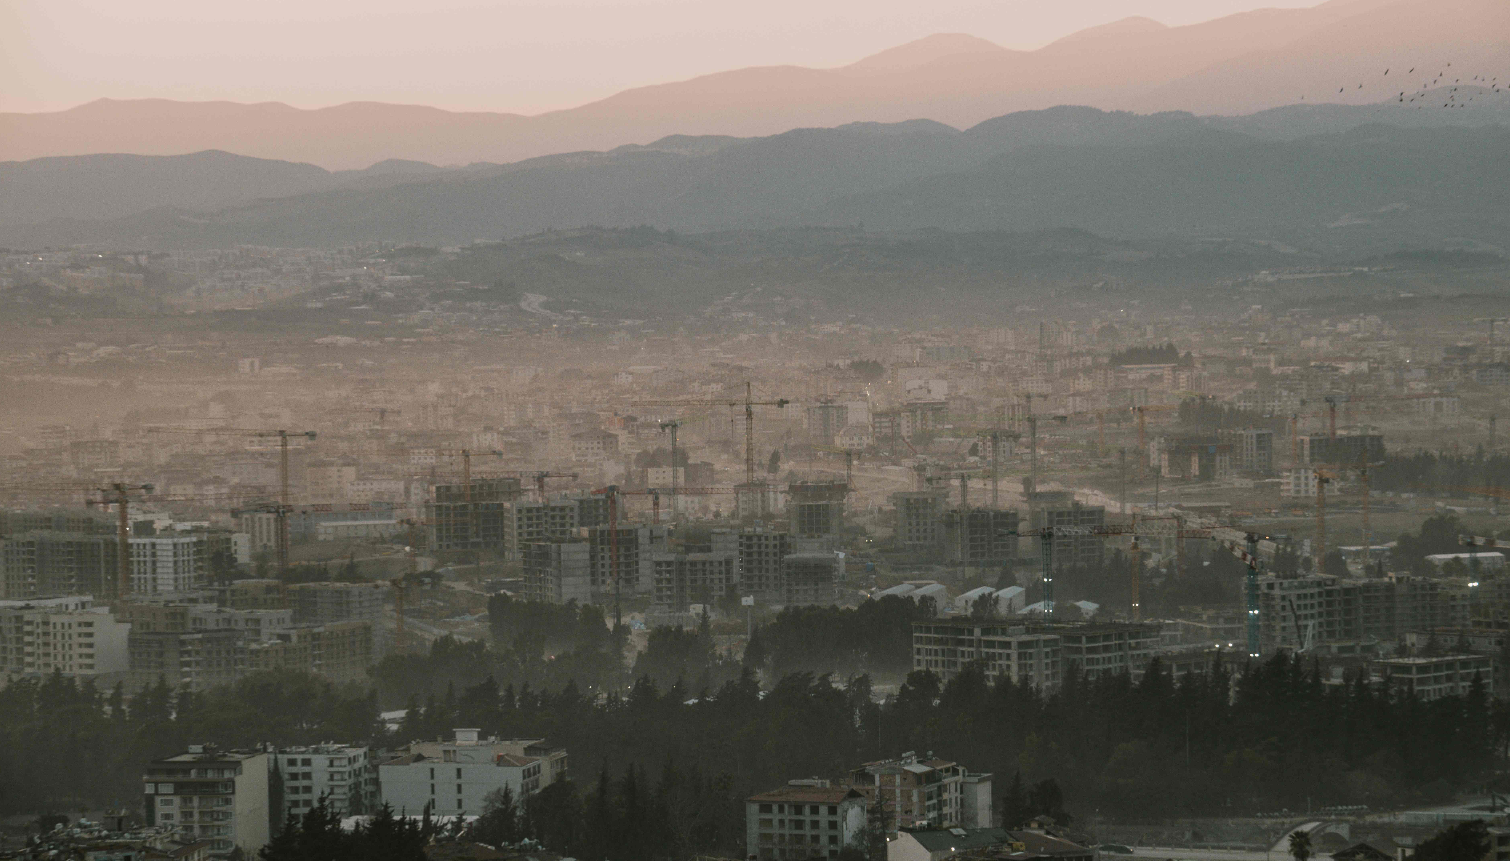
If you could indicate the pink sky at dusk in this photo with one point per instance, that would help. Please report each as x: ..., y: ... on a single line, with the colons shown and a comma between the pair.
x: 524, y: 56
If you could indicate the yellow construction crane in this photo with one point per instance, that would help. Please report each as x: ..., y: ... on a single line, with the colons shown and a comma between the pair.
x: 284, y: 503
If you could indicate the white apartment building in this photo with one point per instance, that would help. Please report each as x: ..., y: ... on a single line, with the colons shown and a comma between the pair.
x: 455, y: 778
x: 66, y: 635
x: 345, y: 776
x: 167, y: 563
x: 211, y: 795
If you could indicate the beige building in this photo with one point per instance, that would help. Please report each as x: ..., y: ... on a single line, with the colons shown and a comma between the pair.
x: 802, y: 820
x: 211, y: 795
x: 70, y: 636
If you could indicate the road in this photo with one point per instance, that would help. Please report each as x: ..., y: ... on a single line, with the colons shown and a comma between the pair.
x: 1180, y: 853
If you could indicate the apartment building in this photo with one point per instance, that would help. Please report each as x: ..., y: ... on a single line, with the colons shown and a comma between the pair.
x: 1252, y: 449
x: 683, y: 579
x: 346, y: 777
x: 1033, y: 653
x: 815, y: 509
x: 168, y: 564
x: 195, y: 660
x: 925, y: 792
x: 811, y: 578
x: 1431, y: 678
x: 42, y: 563
x: 557, y: 571
x: 339, y: 651
x: 1058, y: 509
x: 475, y: 519
x: 980, y: 536
x: 1297, y: 612
x: 455, y: 778
x: 213, y: 795
x: 760, y: 556
x: 68, y: 635
x: 632, y: 546
x: 803, y: 820
x: 325, y: 602
x: 919, y: 519
x: 528, y: 522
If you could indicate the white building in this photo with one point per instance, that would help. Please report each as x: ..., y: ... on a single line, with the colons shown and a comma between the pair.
x: 211, y: 795
x: 455, y: 778
x: 345, y: 776
x: 166, y: 563
x: 1299, y: 482
x: 66, y: 635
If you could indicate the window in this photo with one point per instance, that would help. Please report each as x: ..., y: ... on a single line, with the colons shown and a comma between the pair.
x: 458, y: 804
x: 813, y: 810
x: 833, y: 810
x: 165, y: 802
x: 458, y: 774
x: 833, y: 825
x: 833, y: 840
x: 796, y: 824
x: 432, y: 789
x: 458, y: 789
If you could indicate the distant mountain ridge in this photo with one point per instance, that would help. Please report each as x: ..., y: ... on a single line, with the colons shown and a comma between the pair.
x: 1233, y: 65
x: 1356, y: 188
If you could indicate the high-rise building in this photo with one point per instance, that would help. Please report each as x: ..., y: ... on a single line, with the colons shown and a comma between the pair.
x: 559, y: 570
x: 213, y: 795
x: 66, y: 635
x: 1252, y: 449
x: 815, y: 509
x: 980, y: 536
x: 480, y: 522
x: 1071, y: 548
x: 527, y: 522
x: 323, y: 602
x: 683, y: 579
x: 44, y: 563
x: 346, y: 777
x: 920, y: 519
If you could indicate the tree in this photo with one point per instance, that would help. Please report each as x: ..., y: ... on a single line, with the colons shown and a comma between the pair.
x: 1466, y: 841
x: 1300, y: 845
x: 773, y: 465
x: 499, y: 823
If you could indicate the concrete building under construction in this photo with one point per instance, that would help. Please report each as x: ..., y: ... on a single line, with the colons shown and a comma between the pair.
x: 475, y: 518
x: 815, y: 509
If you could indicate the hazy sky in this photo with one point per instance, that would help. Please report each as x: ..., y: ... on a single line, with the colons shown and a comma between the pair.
x: 505, y: 55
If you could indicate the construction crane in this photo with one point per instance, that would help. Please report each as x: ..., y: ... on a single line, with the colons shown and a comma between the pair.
x: 673, y: 426
x: 1323, y: 478
x: 1331, y: 408
x: 284, y: 504
x: 119, y: 495
x: 1243, y: 545
x: 749, y: 403
x: 466, y: 466
x: 849, y: 462
x: 540, y: 478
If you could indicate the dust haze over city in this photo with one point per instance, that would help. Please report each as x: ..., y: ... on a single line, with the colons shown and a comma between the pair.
x: 635, y: 430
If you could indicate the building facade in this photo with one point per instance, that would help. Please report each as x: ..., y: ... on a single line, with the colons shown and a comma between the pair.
x: 455, y: 778
x: 67, y: 635
x: 803, y: 820
x: 346, y: 777
x: 207, y: 794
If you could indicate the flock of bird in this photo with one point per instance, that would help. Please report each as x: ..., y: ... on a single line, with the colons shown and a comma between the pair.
x: 1478, y: 85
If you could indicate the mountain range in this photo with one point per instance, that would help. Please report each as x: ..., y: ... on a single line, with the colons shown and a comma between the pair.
x: 1239, y: 64
x: 1348, y: 180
